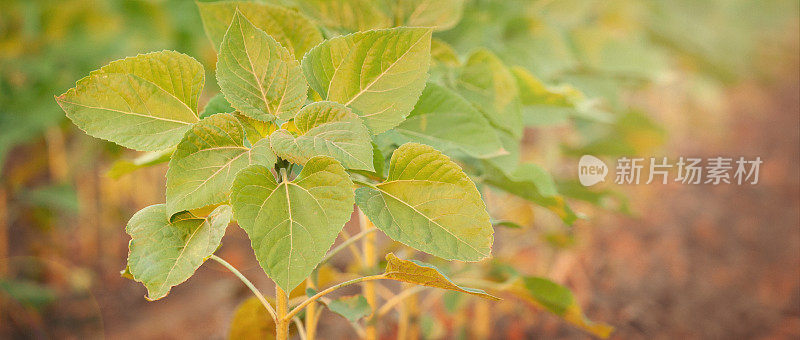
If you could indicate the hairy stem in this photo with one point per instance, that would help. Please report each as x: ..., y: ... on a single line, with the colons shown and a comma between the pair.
x: 282, y: 325
x: 316, y: 297
x: 249, y: 284
x: 311, y: 314
x: 368, y: 288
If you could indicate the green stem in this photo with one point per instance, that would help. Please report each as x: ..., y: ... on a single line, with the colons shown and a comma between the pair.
x: 316, y: 297
x: 249, y: 285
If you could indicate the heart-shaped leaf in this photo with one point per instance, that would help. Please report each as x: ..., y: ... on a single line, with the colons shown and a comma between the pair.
x: 425, y: 275
x: 292, y: 224
x: 162, y: 254
x: 128, y: 110
x: 379, y: 74
x: 202, y: 169
x: 326, y: 129
x: 429, y: 204
x: 290, y: 28
x: 446, y: 121
x: 258, y: 76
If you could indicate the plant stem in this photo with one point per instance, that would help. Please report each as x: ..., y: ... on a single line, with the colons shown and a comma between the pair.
x: 282, y: 325
x: 300, y: 330
x: 346, y: 243
x: 368, y: 288
x: 311, y: 313
x: 388, y: 305
x: 249, y: 284
x: 330, y: 289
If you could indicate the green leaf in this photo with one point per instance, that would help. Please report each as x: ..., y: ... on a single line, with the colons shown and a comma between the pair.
x: 180, y: 75
x: 251, y: 321
x: 429, y: 204
x: 123, y: 167
x: 558, y: 300
x: 326, y: 129
x: 291, y: 29
x: 544, y: 105
x: 488, y: 84
x: 202, y: 169
x: 379, y: 74
x: 258, y: 76
x: 162, y: 254
x: 439, y: 14
x: 217, y: 104
x: 128, y: 110
x: 446, y: 121
x: 346, y: 15
x: 425, y: 275
x: 351, y: 308
x: 292, y: 224
x: 28, y: 293
x: 443, y: 53
x: 532, y: 183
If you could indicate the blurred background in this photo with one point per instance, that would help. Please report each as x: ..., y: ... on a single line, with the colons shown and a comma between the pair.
x: 692, y: 78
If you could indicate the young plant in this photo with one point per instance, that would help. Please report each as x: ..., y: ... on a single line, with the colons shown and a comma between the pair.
x: 298, y: 135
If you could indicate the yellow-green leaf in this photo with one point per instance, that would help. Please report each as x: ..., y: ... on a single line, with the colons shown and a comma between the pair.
x: 251, y: 321
x: 428, y: 203
x: 291, y: 29
x: 378, y: 74
x: 558, y: 300
x: 425, y: 275
x: 128, y: 110
x: 326, y: 129
x: 164, y: 253
x: 346, y: 15
x: 257, y: 75
x: 292, y: 224
x: 202, y: 169
x: 439, y: 14
x: 487, y: 83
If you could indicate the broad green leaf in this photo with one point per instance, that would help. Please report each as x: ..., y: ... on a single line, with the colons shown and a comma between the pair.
x: 291, y: 29
x: 251, y: 321
x: 425, y: 275
x: 206, y: 161
x: 217, y: 104
x: 123, y: 167
x: 429, y: 204
x: 128, y: 110
x: 490, y: 86
x: 532, y: 183
x: 258, y: 76
x: 439, y: 14
x: 558, y: 300
x: 180, y: 75
x: 326, y: 129
x: 378, y: 74
x: 346, y: 15
x: 351, y: 308
x: 443, y: 119
x: 292, y: 224
x: 163, y: 254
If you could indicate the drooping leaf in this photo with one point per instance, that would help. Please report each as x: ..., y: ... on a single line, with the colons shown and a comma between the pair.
x: 425, y: 275
x: 378, y: 74
x: 558, y: 300
x: 123, y: 167
x: 489, y: 85
x: 202, y: 169
x: 532, y: 183
x: 176, y: 73
x: 428, y: 203
x: 326, y: 129
x: 217, y: 104
x: 351, y: 308
x: 251, y: 321
x: 439, y: 14
x: 258, y: 76
x: 443, y: 119
x: 292, y: 224
x: 291, y: 29
x: 128, y: 110
x: 163, y: 254
x: 345, y: 16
